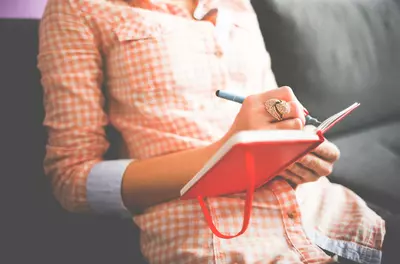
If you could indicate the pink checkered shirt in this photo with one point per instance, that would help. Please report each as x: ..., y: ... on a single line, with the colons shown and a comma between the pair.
x: 161, y: 69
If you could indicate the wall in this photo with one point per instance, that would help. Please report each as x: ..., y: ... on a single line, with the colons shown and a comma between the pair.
x: 32, y: 9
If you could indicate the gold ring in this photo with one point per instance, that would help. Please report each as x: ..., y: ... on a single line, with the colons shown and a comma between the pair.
x: 277, y: 108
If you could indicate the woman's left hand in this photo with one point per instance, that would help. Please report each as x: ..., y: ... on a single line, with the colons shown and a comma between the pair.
x: 314, y: 165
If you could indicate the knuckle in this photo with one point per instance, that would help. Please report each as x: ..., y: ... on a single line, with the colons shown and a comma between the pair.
x: 301, y: 170
x: 286, y: 89
x: 313, y: 163
x: 249, y: 100
x: 294, y: 169
x: 327, y: 170
x: 253, y: 99
x: 306, y: 160
x: 330, y: 170
x: 331, y: 151
x: 302, y: 160
x: 319, y: 150
x: 336, y: 152
x: 297, y: 124
x: 291, y: 167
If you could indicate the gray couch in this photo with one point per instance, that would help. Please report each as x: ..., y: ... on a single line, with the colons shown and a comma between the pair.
x: 331, y: 52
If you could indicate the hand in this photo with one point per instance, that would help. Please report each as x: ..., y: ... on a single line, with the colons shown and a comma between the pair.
x: 253, y: 115
x: 314, y: 165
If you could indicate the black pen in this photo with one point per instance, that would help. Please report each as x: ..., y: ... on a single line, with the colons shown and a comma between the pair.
x: 239, y: 99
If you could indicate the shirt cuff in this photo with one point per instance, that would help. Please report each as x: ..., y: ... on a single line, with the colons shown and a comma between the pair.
x: 103, y: 188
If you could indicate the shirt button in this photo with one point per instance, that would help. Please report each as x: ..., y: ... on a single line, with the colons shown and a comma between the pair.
x: 292, y: 215
x: 218, y: 53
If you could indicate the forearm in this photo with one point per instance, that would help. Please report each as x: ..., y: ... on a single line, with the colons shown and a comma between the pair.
x: 155, y: 180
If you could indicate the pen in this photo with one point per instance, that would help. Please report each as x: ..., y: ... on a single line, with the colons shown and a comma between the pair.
x: 239, y: 99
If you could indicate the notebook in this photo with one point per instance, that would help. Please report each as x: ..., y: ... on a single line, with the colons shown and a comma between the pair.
x: 249, y: 159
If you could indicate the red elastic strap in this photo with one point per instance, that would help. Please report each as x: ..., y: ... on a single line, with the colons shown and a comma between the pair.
x: 247, y: 207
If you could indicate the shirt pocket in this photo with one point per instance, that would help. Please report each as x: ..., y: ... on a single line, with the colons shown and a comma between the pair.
x: 143, y: 25
x: 160, y: 56
x: 136, y: 28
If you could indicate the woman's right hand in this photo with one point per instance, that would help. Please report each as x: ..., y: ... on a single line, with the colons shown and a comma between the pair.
x: 254, y: 116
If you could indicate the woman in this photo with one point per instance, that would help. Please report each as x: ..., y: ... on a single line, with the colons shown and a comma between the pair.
x: 161, y: 62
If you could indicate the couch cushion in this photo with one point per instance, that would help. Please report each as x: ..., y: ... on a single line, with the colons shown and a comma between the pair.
x: 41, y: 231
x: 333, y: 53
x: 370, y: 164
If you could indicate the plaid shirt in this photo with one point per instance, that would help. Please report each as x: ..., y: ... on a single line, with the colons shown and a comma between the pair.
x: 161, y: 69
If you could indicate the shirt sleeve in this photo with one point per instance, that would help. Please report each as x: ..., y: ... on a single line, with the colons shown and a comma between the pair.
x: 71, y: 67
x: 104, y: 188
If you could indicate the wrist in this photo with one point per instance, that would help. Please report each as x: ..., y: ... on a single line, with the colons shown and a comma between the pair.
x: 219, y: 143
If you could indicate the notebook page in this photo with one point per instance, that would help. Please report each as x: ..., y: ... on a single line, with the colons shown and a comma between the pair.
x: 331, y: 120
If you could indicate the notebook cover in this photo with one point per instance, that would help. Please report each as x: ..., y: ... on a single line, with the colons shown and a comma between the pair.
x: 229, y: 174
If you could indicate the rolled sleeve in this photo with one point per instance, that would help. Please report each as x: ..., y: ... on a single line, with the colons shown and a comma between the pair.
x: 104, y: 188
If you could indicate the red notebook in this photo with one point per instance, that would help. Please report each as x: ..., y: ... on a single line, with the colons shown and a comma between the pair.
x: 250, y: 159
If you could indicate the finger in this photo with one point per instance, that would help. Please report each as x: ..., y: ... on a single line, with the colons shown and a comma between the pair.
x: 314, y: 163
x: 288, y: 175
x: 283, y: 93
x: 296, y: 111
x: 327, y: 151
x: 291, y: 124
x: 304, y: 173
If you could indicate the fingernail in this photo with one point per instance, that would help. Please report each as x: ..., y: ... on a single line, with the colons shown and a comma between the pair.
x: 305, y: 111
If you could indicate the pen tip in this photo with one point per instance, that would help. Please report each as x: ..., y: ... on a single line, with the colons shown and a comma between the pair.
x: 217, y: 93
